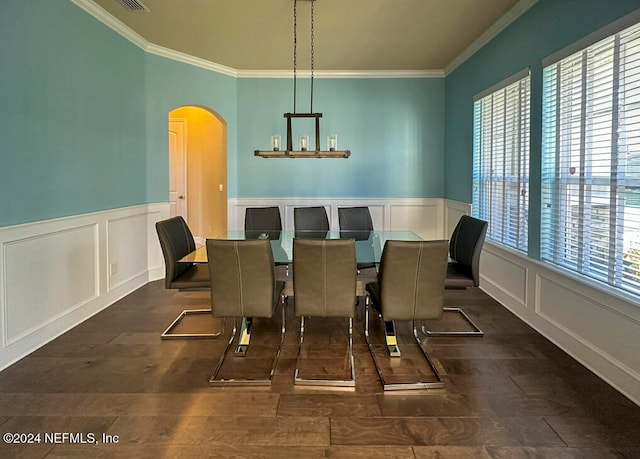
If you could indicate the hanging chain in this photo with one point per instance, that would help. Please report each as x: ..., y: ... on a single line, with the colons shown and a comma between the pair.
x: 295, y: 44
x: 295, y: 52
x: 312, y: 55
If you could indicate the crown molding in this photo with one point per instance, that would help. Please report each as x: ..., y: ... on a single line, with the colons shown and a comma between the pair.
x: 189, y: 59
x: 116, y: 25
x: 505, y: 21
x: 341, y: 74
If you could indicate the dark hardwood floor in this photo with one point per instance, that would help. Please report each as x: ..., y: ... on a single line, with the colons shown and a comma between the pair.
x: 509, y: 394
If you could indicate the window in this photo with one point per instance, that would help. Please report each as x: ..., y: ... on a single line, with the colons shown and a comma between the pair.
x: 591, y: 161
x: 501, y: 160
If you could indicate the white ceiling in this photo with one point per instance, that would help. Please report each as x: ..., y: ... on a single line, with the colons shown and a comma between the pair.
x: 350, y: 35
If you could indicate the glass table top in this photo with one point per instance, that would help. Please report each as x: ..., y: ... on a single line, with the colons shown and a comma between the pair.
x: 368, y: 244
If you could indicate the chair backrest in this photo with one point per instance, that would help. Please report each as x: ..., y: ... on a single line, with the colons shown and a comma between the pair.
x: 310, y: 219
x: 176, y: 241
x: 242, y: 278
x: 261, y: 222
x: 324, y: 277
x: 355, y: 219
x: 411, y: 279
x: 466, y: 243
x: 355, y: 222
x: 262, y: 218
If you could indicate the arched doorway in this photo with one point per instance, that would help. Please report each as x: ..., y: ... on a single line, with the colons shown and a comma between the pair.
x: 198, y: 169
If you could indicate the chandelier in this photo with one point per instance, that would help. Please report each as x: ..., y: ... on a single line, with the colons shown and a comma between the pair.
x: 304, y: 150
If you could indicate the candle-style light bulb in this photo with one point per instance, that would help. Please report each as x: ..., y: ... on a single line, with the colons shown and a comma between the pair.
x: 304, y: 142
x: 275, y: 142
x: 332, y: 142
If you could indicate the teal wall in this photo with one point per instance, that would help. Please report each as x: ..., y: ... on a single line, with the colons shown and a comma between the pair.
x: 73, y: 116
x: 169, y: 85
x: 547, y: 27
x: 393, y: 127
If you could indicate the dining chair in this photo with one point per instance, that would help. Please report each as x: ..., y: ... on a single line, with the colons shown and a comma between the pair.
x: 356, y: 223
x: 355, y: 219
x: 324, y: 285
x: 463, y: 269
x: 410, y: 288
x: 176, y: 241
x: 243, y: 285
x: 311, y: 222
x: 259, y: 220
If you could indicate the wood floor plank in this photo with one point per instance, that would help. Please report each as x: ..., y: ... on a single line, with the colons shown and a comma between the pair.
x: 510, y: 405
x: 554, y: 453
x: 451, y: 452
x: 22, y: 451
x: 231, y: 452
x: 222, y: 430
x: 328, y: 405
x: 98, y: 404
x: 432, y: 405
x: 464, y: 431
x: 586, y: 432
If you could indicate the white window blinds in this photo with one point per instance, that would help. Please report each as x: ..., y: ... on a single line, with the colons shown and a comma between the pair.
x: 501, y: 160
x: 591, y: 161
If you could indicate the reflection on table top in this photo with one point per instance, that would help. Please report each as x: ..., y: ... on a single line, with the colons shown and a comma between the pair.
x: 369, y: 244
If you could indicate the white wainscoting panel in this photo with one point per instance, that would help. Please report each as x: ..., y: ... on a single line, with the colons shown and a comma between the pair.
x: 512, y: 275
x: 453, y: 211
x: 557, y: 303
x: 127, y: 257
x: 423, y: 218
x: 57, y: 273
x: 379, y: 215
x: 155, y: 260
x: 47, y: 276
x: 597, y: 327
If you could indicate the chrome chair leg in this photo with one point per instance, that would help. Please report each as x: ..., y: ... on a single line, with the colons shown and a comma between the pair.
x: 188, y: 312
x: 427, y: 385
x: 215, y: 381
x: 326, y: 382
x: 439, y: 383
x: 476, y: 331
x: 391, y: 338
x: 366, y: 337
x: 245, y: 337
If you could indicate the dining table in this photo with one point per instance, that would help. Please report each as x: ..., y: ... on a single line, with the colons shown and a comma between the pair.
x: 368, y: 245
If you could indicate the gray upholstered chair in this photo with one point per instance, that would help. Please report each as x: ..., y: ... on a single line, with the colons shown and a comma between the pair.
x: 243, y: 285
x: 355, y: 219
x: 258, y: 220
x: 324, y: 285
x: 356, y: 223
x: 310, y: 222
x: 264, y: 221
x: 463, y: 269
x: 177, y: 241
x: 410, y: 287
